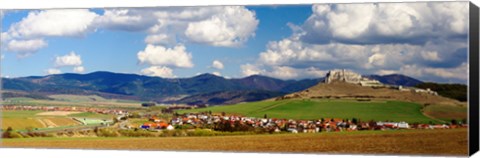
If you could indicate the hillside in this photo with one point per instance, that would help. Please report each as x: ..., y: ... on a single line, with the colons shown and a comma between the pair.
x: 228, y: 97
x: 396, y: 79
x: 345, y: 94
x: 137, y: 87
x: 201, y: 89
x: 455, y: 91
x: 324, y: 108
x: 342, y: 90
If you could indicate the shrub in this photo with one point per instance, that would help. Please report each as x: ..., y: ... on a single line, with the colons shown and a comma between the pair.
x: 15, y: 135
x: 138, y: 133
x: 107, y: 133
x: 201, y: 132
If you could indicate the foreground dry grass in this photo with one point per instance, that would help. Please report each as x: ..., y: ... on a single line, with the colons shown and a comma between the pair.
x: 418, y: 142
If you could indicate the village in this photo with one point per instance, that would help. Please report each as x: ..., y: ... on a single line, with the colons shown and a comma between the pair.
x: 223, y: 122
x: 232, y: 123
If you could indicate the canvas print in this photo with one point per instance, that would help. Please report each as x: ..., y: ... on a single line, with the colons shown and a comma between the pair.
x: 359, y: 78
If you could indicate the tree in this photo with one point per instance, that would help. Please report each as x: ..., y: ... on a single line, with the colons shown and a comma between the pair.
x: 135, y: 115
x: 354, y: 120
x: 453, y: 122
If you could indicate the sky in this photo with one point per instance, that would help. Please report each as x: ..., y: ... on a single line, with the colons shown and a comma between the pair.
x: 427, y: 41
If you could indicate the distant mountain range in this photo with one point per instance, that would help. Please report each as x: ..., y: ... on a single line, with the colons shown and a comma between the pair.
x: 201, y: 89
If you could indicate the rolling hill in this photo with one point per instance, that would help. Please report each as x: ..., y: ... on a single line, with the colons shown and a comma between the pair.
x: 347, y: 95
x: 138, y: 87
x: 201, y: 89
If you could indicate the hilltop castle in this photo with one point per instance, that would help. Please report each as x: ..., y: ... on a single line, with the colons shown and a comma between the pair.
x: 351, y: 77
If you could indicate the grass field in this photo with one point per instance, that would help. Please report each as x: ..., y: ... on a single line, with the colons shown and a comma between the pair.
x: 91, y: 115
x: 447, y: 113
x: 74, y: 100
x: 419, y: 142
x: 316, y: 109
x: 20, y: 120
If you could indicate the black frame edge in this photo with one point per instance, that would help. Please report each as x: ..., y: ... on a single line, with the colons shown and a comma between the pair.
x: 473, y: 98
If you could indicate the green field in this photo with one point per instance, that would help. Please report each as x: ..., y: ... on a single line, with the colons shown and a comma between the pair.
x: 446, y: 112
x: 74, y: 100
x: 316, y: 109
x: 20, y: 120
x: 91, y: 115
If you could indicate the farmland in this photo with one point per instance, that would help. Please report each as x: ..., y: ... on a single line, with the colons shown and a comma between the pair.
x: 20, y: 120
x: 73, y: 100
x: 446, y: 112
x: 323, y: 108
x: 421, y: 142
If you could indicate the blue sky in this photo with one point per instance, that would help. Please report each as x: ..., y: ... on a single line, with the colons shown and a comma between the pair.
x: 424, y: 40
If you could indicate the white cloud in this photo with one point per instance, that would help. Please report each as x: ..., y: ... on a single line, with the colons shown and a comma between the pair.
x: 161, y: 39
x: 78, y: 69
x: 53, y: 71
x: 70, y: 59
x: 290, y: 54
x: 377, y: 60
x: 124, y: 19
x: 415, y: 39
x: 386, y: 22
x: 217, y: 64
x: 386, y: 72
x: 230, y: 28
x: 218, y: 26
x: 26, y: 47
x: 55, y: 22
x: 282, y: 72
x: 159, y: 71
x: 159, y: 55
x: 430, y: 55
x: 249, y: 69
x: 27, y: 36
x: 456, y: 73
x: 288, y: 50
x: 217, y: 73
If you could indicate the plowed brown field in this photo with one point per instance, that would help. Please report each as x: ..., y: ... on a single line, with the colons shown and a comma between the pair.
x: 418, y: 142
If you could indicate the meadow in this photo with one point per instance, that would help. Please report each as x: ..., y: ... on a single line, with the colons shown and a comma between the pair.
x: 418, y: 142
x: 74, y: 100
x: 21, y: 120
x: 326, y: 108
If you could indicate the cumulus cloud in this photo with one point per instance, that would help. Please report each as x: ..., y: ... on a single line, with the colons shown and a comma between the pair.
x: 369, y: 23
x: 159, y: 55
x: 282, y: 72
x: 217, y: 73
x: 27, y: 36
x: 430, y: 55
x: 26, y: 47
x: 159, y: 71
x: 78, y: 69
x: 250, y: 69
x: 227, y: 26
x: 53, y: 71
x: 231, y: 28
x: 217, y: 64
x: 56, y: 22
x: 416, y: 39
x: 125, y: 19
x: 456, y: 74
x: 71, y: 59
x: 160, y: 39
